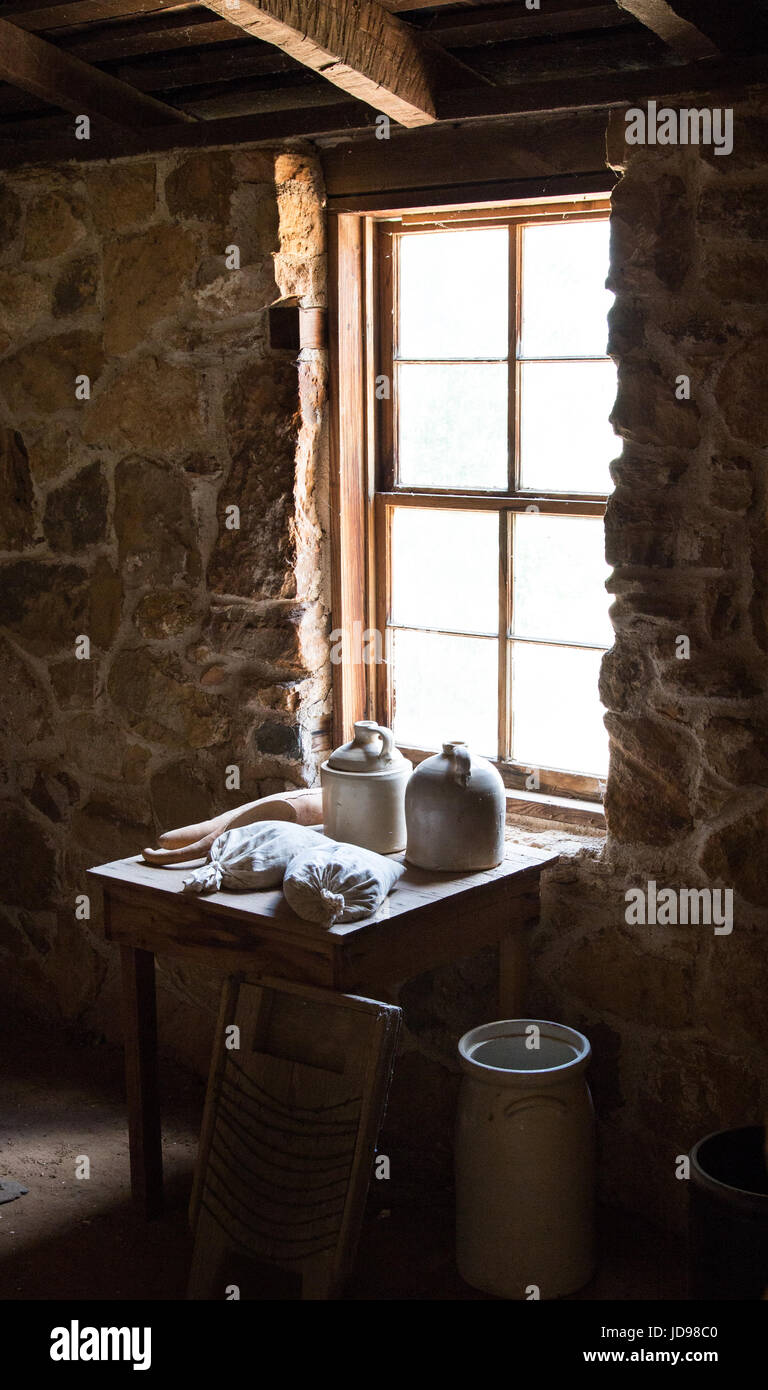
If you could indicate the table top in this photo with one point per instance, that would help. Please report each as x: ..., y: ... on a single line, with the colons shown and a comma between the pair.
x: 416, y: 890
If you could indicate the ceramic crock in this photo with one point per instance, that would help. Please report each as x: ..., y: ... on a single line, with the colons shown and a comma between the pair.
x: 525, y: 1160
x: 454, y: 811
x: 363, y: 785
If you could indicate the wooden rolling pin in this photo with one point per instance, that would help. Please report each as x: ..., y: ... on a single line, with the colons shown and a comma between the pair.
x: 194, y: 841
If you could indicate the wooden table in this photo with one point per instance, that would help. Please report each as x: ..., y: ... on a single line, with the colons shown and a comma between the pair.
x: 428, y: 920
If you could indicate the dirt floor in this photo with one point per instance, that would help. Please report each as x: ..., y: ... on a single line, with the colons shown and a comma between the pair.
x: 79, y: 1238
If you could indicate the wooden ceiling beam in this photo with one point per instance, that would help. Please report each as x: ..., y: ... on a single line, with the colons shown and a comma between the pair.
x: 666, y: 20
x: 39, y: 67
x: 358, y: 46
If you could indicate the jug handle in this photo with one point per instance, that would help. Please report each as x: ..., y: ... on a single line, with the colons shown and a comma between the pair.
x: 462, y: 764
x: 387, y: 743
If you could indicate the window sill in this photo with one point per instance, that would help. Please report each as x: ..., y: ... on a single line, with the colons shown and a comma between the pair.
x: 561, y: 810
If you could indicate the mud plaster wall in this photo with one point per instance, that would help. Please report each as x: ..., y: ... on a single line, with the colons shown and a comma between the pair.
x: 207, y: 644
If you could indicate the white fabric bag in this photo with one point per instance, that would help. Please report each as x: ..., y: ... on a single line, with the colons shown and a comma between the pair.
x: 251, y: 857
x: 339, y: 883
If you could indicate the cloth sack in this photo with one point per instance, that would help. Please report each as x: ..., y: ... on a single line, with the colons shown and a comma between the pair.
x: 339, y: 883
x: 251, y: 857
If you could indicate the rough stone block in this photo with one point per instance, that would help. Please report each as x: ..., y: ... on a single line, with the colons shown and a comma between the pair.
x: 41, y: 377
x: 55, y: 224
x: 150, y: 405
x: 159, y: 702
x: 648, y: 797
x: 77, y: 287
x: 45, y: 605
x: 165, y: 613
x: 155, y: 527
x: 76, y: 513
x: 24, y: 300
x: 734, y: 855
x: 28, y: 862
x: 200, y: 187
x: 147, y: 277
x: 740, y: 391
x: 17, y: 515
x: 121, y: 195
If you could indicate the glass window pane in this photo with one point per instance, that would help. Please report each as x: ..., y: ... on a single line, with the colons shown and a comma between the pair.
x: 452, y: 426
x: 446, y: 688
x: 566, y: 440
x: 559, y: 575
x: 454, y: 293
x: 564, y: 300
x: 445, y: 569
x: 557, y: 718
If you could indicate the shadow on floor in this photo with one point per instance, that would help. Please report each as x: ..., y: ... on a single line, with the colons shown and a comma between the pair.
x: 73, y: 1237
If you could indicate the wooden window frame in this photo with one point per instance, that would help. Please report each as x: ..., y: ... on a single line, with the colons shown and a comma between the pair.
x: 364, y: 488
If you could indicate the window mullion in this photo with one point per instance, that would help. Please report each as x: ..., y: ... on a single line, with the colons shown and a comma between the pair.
x: 512, y: 341
x: 505, y: 648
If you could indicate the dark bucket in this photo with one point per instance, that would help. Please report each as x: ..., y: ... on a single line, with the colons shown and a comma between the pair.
x: 728, y: 1248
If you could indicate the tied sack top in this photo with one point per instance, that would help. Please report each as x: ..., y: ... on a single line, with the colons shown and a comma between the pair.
x: 340, y: 883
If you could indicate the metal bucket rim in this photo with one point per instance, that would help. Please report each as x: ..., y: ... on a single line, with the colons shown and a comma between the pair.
x: 705, y: 1180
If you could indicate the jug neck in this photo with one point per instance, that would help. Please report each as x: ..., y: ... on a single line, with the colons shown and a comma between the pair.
x: 459, y: 754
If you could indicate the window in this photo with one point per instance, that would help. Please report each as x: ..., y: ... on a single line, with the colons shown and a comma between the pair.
x: 489, y: 397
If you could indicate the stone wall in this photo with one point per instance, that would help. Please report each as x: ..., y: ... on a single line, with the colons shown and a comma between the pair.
x: 207, y: 641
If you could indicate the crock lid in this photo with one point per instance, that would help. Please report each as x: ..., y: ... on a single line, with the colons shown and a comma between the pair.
x: 372, y: 751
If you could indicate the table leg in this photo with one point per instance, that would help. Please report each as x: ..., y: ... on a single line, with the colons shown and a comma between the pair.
x: 513, y: 969
x: 140, y: 1033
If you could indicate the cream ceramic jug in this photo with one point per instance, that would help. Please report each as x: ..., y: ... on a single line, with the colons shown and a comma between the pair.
x: 455, y: 811
x: 364, y: 785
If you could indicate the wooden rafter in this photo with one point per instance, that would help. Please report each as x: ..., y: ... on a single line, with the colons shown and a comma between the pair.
x: 666, y: 20
x: 41, y: 68
x: 359, y: 47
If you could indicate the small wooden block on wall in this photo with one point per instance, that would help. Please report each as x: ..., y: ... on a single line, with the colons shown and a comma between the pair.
x: 288, y: 1140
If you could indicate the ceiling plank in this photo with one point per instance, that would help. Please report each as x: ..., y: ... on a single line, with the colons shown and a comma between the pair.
x: 41, y: 68
x: 162, y: 33
x: 358, y: 46
x: 164, y: 73
x: 250, y: 99
x: 398, y: 6
x: 495, y: 23
x: 268, y: 128
x: 352, y: 117
x: 666, y: 21
x: 602, y: 90
x: 58, y: 14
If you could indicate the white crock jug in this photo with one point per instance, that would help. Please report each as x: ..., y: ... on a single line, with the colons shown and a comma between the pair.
x: 364, y: 785
x: 455, y: 812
